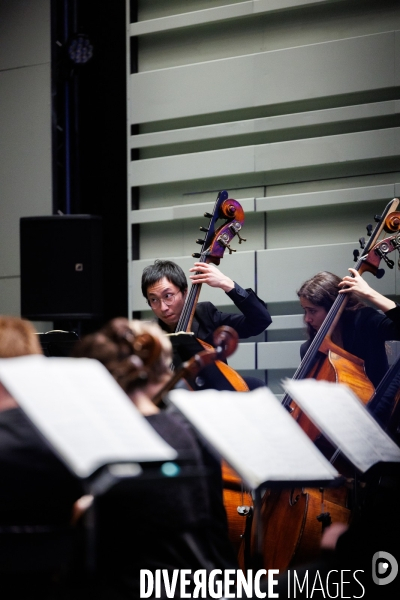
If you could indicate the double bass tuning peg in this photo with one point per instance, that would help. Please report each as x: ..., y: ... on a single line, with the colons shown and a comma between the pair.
x: 388, y: 261
x: 199, y: 241
x: 369, y: 229
x: 207, y: 215
x: 203, y: 229
x: 356, y: 254
x: 362, y: 242
x: 377, y: 218
x: 380, y: 273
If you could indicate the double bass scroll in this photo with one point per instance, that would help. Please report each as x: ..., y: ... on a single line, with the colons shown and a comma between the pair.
x: 216, y: 241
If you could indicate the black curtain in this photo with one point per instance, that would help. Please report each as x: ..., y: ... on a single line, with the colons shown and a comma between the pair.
x: 89, y: 132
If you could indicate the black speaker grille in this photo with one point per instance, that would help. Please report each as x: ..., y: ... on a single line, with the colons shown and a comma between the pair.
x: 61, y: 267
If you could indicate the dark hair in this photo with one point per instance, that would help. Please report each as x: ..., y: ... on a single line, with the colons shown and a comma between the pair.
x: 322, y: 290
x: 160, y: 269
x: 122, y: 347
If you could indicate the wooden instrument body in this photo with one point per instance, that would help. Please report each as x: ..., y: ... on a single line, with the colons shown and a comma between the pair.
x: 292, y: 530
x: 235, y: 496
x: 236, y: 381
x: 337, y: 366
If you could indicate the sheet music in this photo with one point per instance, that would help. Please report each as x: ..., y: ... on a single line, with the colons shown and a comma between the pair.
x: 344, y: 420
x: 82, y: 412
x: 255, y: 435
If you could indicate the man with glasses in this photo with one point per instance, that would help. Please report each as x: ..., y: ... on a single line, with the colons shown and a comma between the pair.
x: 164, y: 286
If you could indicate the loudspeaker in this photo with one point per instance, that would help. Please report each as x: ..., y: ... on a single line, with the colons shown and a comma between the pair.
x: 61, y: 267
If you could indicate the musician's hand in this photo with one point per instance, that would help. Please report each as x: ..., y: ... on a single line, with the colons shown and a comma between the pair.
x: 332, y: 534
x: 363, y: 290
x: 209, y: 274
x: 356, y: 284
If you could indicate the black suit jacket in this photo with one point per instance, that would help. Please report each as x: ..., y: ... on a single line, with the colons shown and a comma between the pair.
x: 254, y: 319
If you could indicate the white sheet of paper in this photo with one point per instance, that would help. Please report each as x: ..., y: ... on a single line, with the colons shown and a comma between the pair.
x: 342, y: 418
x: 82, y: 412
x: 255, y: 435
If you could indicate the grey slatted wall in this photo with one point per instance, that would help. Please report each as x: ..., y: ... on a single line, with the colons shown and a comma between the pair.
x: 25, y: 134
x: 293, y: 107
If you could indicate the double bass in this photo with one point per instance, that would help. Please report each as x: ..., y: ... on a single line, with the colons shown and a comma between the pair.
x: 215, y: 373
x: 293, y: 520
x: 326, y: 360
x: 216, y: 241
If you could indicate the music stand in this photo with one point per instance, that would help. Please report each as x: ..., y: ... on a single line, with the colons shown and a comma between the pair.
x: 57, y: 342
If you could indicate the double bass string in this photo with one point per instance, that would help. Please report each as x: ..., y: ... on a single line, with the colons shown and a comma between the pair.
x: 187, y: 309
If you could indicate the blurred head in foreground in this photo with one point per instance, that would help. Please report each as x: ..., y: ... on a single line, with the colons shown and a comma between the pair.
x: 17, y: 338
x: 136, y: 353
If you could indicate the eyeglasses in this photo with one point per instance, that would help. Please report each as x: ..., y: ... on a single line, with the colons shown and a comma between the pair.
x: 168, y: 299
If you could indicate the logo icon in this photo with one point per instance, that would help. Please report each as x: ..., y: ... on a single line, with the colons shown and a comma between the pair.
x: 384, y: 568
